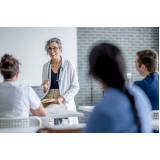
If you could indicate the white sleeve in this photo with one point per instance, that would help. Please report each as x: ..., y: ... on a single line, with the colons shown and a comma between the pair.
x: 33, y: 99
x: 74, y: 88
x: 42, y: 87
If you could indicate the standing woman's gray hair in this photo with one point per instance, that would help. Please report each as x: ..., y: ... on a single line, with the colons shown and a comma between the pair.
x: 58, y: 41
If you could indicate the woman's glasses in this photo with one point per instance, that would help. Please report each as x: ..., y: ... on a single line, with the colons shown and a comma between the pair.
x: 50, y: 49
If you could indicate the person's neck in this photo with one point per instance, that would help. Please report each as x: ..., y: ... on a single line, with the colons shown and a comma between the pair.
x: 13, y: 80
x: 56, y: 61
x: 147, y: 73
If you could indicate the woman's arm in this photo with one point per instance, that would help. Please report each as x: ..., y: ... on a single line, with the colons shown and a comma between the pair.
x: 74, y: 88
x: 39, y: 112
x: 36, y: 106
x: 44, y: 87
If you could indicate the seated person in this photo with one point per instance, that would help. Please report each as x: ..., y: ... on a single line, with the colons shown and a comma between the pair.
x: 16, y: 101
x: 123, y: 109
x: 147, y: 66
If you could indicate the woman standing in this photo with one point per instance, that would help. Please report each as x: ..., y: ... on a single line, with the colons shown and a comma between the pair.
x: 59, y: 79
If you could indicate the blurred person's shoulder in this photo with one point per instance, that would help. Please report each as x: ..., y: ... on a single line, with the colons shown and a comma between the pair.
x: 139, y: 95
x: 134, y: 90
x: 112, y: 99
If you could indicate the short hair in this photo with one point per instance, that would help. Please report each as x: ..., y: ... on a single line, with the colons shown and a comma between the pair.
x: 58, y: 41
x: 9, y: 66
x: 149, y: 58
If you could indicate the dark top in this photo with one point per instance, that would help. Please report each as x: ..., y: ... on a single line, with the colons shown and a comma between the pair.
x: 150, y: 85
x: 54, y: 78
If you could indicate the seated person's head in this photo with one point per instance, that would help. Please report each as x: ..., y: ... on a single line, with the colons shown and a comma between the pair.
x: 146, y: 62
x: 9, y: 67
x: 107, y: 65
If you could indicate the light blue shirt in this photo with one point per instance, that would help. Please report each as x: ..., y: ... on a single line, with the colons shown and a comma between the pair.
x: 115, y: 114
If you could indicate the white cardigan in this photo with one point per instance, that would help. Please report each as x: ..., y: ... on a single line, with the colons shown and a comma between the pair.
x: 68, y: 84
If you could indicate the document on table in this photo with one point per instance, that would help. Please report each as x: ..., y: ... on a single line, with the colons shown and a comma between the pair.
x: 47, y: 100
x: 47, y: 112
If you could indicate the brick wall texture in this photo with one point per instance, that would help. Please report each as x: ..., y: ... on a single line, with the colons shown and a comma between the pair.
x: 129, y: 39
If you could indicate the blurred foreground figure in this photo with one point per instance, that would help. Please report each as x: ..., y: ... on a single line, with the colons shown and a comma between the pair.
x: 123, y: 109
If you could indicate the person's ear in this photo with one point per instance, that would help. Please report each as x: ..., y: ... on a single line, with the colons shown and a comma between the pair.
x: 17, y: 74
x: 143, y: 67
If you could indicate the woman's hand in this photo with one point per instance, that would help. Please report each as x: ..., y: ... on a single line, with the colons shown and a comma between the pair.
x: 58, y: 100
x: 46, y: 84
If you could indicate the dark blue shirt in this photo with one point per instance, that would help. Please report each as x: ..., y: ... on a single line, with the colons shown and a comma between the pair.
x: 115, y: 113
x: 150, y: 85
x: 54, y: 78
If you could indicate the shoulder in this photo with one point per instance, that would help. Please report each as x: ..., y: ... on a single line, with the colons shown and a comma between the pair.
x: 141, y: 83
x: 135, y: 90
x: 24, y: 89
x: 139, y: 95
x: 109, y: 100
x: 46, y: 64
x: 154, y: 77
x: 69, y: 63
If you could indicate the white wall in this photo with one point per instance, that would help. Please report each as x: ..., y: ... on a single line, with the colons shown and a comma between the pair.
x: 27, y: 45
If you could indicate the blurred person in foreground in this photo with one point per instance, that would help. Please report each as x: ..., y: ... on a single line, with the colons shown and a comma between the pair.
x: 16, y: 101
x: 123, y: 109
x: 147, y: 65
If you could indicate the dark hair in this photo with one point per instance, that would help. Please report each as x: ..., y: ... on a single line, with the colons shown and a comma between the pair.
x: 149, y: 58
x: 9, y: 66
x: 107, y: 63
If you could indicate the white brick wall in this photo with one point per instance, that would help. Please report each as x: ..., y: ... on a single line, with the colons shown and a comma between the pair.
x: 129, y: 39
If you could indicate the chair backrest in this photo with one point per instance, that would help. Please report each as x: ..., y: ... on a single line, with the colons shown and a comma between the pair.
x: 155, y: 114
x: 20, y: 122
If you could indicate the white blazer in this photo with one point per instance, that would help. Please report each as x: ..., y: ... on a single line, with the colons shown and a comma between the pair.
x: 68, y: 84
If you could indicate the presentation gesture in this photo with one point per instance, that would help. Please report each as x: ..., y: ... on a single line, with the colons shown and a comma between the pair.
x: 46, y: 84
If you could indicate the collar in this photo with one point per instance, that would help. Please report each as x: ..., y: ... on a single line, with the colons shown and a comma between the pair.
x: 63, y: 64
x: 153, y: 73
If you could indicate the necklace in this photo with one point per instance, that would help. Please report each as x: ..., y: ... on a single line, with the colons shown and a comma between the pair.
x: 52, y: 65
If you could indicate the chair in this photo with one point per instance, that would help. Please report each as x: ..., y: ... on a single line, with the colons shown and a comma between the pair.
x: 155, y: 115
x: 20, y: 122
